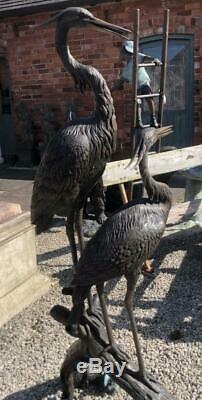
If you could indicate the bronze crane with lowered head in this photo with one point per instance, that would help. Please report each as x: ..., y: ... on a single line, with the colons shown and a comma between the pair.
x: 75, y: 158
x: 123, y: 243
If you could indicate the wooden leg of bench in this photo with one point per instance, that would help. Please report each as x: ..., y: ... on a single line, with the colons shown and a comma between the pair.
x: 147, y: 267
x: 123, y: 193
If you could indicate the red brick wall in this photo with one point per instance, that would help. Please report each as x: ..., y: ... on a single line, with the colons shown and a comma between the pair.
x: 37, y: 75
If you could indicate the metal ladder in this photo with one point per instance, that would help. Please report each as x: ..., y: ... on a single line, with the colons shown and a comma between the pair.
x: 136, y: 99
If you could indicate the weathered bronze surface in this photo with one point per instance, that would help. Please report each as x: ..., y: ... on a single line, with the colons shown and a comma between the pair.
x: 73, y: 162
x: 93, y: 342
x: 122, y: 244
x: 75, y: 158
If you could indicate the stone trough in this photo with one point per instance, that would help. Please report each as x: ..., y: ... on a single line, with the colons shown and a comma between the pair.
x: 20, y: 281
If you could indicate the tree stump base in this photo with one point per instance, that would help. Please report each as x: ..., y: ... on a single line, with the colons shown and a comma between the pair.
x: 93, y: 343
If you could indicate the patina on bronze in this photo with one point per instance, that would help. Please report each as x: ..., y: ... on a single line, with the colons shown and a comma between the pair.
x: 75, y: 158
x: 73, y: 162
x: 93, y: 342
x: 123, y: 243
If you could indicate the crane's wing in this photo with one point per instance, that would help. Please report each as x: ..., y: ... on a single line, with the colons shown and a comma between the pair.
x: 127, y: 238
x: 64, y: 159
x: 63, y: 166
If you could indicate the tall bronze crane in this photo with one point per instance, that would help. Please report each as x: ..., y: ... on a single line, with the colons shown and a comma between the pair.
x: 123, y: 243
x: 75, y: 158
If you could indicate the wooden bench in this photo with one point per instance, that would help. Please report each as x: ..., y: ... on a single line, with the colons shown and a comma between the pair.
x: 116, y: 172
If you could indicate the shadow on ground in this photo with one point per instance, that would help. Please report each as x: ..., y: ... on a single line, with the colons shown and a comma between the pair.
x: 37, y: 392
x: 22, y: 174
x: 177, y: 315
x: 48, y: 255
x: 53, y: 389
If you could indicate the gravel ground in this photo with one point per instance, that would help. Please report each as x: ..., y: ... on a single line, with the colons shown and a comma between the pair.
x: 33, y: 345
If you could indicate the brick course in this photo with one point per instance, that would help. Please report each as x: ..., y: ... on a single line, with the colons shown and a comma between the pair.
x: 38, y: 77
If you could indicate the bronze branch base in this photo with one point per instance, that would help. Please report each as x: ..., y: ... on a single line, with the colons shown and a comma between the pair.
x: 93, y: 342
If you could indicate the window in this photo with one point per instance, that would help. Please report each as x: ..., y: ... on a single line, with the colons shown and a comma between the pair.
x: 178, y: 109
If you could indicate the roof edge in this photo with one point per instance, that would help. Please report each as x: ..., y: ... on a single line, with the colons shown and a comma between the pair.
x: 53, y: 6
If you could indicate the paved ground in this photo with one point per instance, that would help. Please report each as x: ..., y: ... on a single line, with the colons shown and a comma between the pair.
x: 16, y: 186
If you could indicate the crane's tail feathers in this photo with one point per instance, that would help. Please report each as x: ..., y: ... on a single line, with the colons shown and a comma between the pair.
x: 164, y: 131
x: 42, y: 222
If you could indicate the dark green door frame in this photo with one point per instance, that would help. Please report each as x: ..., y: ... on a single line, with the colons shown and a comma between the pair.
x: 184, y: 119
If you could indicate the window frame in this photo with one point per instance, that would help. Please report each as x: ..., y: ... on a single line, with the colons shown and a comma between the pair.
x: 190, y: 91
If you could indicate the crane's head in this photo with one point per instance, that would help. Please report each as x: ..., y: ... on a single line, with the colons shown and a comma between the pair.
x: 145, y: 138
x: 77, y: 16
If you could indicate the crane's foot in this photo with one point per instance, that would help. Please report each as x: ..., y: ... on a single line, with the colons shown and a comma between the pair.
x: 149, y: 382
x: 147, y: 268
x: 116, y: 352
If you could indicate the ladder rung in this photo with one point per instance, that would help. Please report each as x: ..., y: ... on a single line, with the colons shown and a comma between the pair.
x: 143, y: 96
x: 152, y: 64
x: 146, y: 126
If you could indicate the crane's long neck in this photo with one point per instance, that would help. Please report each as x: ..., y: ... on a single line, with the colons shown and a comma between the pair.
x: 157, y: 191
x: 85, y: 75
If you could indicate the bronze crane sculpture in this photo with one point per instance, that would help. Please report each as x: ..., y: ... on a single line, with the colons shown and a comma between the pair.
x: 75, y: 158
x: 123, y: 243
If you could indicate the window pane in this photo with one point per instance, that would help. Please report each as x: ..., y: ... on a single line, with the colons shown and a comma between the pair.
x: 178, y: 107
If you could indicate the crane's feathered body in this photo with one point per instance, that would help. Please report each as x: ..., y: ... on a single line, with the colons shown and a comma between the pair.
x: 130, y: 236
x: 75, y: 158
x: 72, y: 162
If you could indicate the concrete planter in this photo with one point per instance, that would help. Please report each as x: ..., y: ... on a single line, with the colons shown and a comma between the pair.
x: 20, y: 281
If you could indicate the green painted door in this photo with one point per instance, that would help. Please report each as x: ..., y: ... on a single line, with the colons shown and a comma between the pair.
x: 178, y: 109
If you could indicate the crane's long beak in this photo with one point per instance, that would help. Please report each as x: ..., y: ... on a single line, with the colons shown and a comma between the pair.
x: 118, y: 30
x: 144, y: 139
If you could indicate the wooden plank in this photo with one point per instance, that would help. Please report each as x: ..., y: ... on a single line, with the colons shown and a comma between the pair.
x: 116, y: 172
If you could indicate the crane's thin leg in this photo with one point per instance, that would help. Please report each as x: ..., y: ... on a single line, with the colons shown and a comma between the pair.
x: 79, y: 228
x: 131, y: 283
x: 71, y: 236
x: 100, y: 290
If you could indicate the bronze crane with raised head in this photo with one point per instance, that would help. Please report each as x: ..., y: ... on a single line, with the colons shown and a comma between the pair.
x: 123, y: 243
x: 75, y: 158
